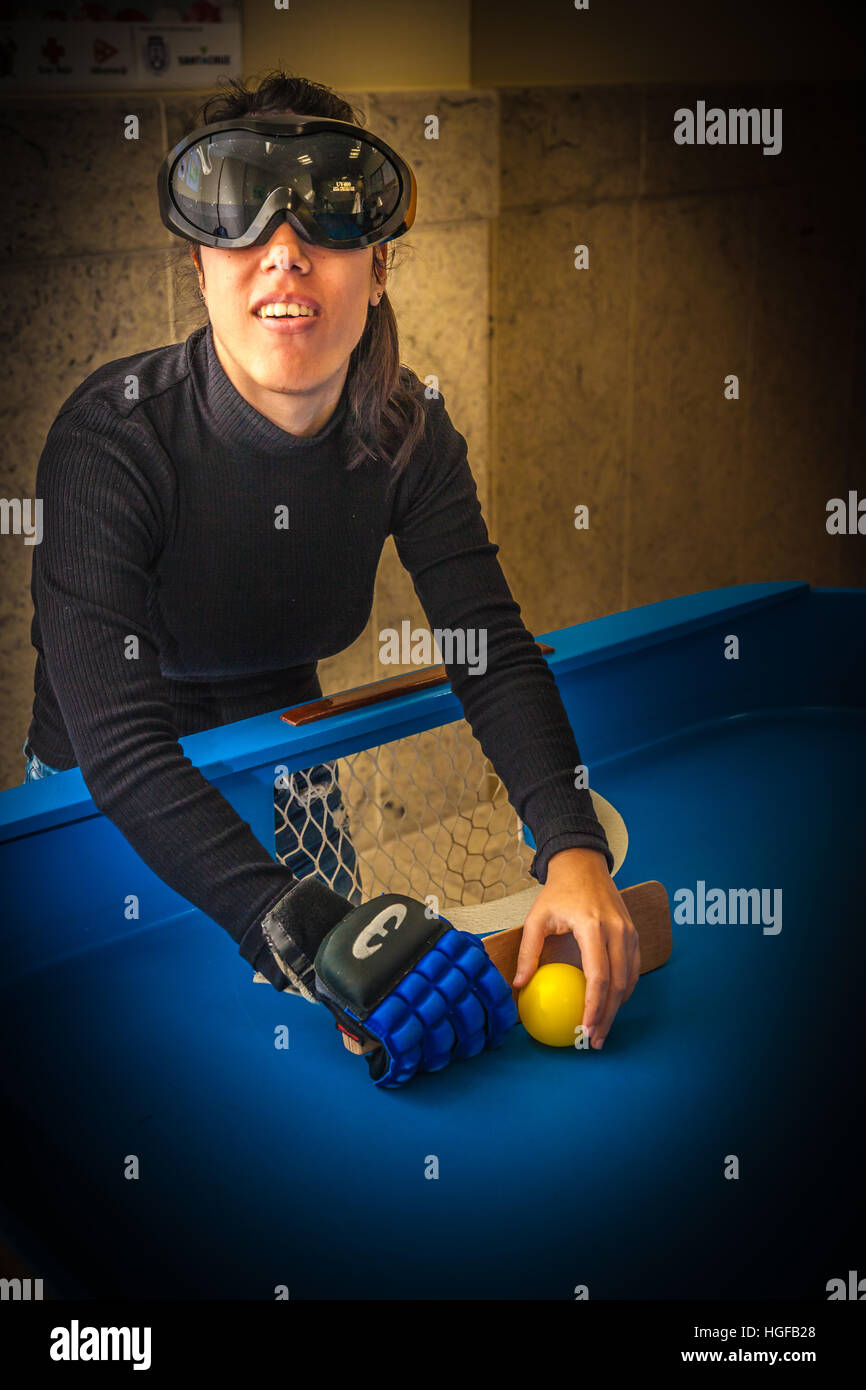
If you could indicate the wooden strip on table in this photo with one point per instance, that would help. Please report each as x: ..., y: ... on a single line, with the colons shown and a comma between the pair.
x: 372, y: 694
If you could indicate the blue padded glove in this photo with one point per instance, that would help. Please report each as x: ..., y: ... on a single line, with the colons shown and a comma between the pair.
x: 409, y: 991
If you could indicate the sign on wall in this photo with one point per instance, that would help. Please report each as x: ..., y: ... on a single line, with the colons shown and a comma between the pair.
x: 121, y: 46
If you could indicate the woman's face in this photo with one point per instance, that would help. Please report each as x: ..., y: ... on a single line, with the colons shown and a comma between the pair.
x: 309, y: 356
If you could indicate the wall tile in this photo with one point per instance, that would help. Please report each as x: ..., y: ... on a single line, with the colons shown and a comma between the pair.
x: 181, y: 114
x: 727, y: 266
x: 804, y: 398
x: 59, y: 328
x: 440, y: 293
x: 355, y: 666
x: 558, y: 144
x: 456, y: 174
x: 16, y: 666
x: 692, y: 311
x: 395, y: 602
x: 561, y: 378
x: 75, y: 185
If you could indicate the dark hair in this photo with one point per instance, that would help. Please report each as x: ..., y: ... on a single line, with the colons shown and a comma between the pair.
x: 385, y: 416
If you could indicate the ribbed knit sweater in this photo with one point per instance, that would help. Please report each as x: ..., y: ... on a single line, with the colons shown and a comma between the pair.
x: 159, y: 484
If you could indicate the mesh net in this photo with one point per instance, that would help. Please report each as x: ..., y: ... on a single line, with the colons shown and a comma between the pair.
x: 423, y: 815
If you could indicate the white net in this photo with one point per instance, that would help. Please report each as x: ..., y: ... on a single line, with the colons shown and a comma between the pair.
x: 424, y: 815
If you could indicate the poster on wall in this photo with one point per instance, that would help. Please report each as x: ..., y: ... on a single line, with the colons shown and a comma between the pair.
x: 108, y: 47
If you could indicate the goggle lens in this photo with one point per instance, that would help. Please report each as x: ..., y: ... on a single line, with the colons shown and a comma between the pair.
x: 347, y: 186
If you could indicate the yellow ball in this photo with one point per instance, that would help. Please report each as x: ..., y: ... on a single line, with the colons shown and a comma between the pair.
x: 551, y: 1004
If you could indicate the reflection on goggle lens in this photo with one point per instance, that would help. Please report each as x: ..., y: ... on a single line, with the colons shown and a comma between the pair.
x: 347, y: 186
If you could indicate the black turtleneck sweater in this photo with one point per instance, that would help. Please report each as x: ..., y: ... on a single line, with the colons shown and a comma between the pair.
x: 158, y: 524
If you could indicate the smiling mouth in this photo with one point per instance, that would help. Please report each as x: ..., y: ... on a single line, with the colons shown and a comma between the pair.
x: 286, y: 311
x: 286, y: 319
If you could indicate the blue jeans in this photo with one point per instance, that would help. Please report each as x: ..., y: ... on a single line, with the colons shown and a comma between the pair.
x: 310, y: 825
x: 36, y: 769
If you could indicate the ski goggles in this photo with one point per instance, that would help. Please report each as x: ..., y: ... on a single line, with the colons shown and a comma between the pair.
x: 231, y: 183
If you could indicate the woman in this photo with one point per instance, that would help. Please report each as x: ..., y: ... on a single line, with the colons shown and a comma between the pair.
x: 214, y: 515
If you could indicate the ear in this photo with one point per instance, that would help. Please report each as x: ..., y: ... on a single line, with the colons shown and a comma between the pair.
x: 196, y: 260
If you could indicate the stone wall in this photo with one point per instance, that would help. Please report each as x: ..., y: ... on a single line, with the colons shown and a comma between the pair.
x: 608, y: 382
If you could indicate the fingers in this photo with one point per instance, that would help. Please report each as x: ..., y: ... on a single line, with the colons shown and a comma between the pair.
x: 531, y: 942
x: 613, y: 957
x: 634, y: 972
x: 619, y: 964
x: 596, y: 968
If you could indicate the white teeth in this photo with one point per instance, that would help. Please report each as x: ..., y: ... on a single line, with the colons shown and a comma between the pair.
x: 283, y: 310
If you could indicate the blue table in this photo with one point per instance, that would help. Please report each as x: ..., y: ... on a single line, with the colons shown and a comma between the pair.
x: 262, y: 1167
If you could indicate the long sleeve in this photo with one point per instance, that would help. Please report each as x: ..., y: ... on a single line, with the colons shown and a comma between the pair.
x: 104, y: 521
x: 514, y: 707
